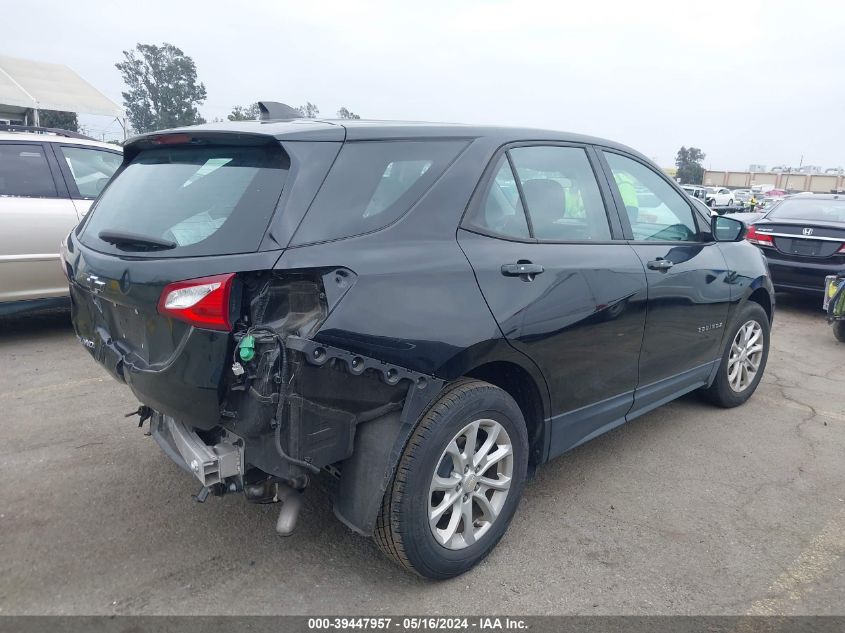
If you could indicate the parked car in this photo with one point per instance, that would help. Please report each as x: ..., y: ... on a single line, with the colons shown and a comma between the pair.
x: 742, y: 196
x: 428, y: 312
x: 694, y: 191
x: 776, y: 193
x: 803, y: 240
x: 719, y: 197
x: 48, y: 180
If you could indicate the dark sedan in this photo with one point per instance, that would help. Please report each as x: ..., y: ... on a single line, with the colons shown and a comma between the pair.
x: 803, y: 239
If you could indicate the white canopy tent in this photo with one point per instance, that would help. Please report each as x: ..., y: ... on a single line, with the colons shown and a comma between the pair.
x: 28, y: 84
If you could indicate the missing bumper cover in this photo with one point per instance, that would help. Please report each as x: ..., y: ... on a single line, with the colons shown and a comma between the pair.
x: 318, y: 354
x: 209, y: 464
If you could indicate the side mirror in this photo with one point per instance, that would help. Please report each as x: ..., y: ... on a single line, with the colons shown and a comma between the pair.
x: 726, y: 229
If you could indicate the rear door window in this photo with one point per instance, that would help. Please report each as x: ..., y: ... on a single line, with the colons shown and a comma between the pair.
x: 372, y: 184
x: 90, y: 168
x: 561, y: 194
x: 501, y: 211
x: 24, y: 171
x: 210, y: 200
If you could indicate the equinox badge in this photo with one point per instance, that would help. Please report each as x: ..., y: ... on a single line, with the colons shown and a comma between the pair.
x: 710, y: 326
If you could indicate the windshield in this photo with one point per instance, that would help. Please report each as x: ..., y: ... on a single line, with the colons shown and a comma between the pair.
x: 206, y: 200
x: 825, y: 210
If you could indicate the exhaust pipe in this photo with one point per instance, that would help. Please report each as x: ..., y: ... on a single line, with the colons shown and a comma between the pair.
x: 291, y: 505
x: 276, y: 492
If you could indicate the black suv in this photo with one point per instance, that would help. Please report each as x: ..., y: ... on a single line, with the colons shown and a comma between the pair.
x: 426, y: 312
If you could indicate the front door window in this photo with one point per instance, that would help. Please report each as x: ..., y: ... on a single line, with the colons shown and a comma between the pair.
x: 656, y: 211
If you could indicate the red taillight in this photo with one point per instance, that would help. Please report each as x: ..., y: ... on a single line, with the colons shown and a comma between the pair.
x: 841, y: 250
x: 202, y: 302
x: 760, y: 239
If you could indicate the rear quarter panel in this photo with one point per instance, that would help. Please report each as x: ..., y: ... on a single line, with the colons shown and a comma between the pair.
x: 415, y: 301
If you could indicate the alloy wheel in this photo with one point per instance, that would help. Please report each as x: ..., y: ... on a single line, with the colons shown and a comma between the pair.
x: 745, y: 356
x: 470, y: 484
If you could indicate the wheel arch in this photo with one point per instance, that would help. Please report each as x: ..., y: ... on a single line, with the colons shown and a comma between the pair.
x: 759, y: 291
x: 379, y: 443
x: 762, y: 296
x: 523, y: 388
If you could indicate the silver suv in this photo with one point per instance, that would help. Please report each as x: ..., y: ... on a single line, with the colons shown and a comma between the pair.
x: 48, y: 180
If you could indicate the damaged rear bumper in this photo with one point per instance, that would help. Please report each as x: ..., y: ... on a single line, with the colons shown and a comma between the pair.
x: 327, y: 393
x: 342, y: 409
x: 211, y: 465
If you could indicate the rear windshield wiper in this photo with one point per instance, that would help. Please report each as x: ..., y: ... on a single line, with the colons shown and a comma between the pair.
x: 126, y: 239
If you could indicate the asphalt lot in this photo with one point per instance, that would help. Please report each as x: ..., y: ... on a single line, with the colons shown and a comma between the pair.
x: 688, y: 510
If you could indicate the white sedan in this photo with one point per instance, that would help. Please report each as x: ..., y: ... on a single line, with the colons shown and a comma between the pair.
x: 719, y: 197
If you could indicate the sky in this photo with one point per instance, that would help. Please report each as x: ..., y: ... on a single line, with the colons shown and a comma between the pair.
x: 747, y: 81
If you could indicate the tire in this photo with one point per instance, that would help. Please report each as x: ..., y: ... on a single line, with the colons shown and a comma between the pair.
x: 839, y: 331
x: 726, y: 391
x: 731, y: 202
x: 403, y: 530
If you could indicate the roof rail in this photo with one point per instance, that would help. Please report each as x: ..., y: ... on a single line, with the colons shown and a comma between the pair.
x: 6, y: 127
x: 269, y: 110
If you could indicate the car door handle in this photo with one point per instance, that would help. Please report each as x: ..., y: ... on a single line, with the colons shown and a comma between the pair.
x: 660, y: 264
x: 521, y: 268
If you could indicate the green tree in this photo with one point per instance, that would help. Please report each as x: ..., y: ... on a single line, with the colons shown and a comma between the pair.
x: 57, y: 118
x: 309, y: 110
x: 343, y: 113
x: 163, y: 88
x: 244, y: 113
x: 688, y: 162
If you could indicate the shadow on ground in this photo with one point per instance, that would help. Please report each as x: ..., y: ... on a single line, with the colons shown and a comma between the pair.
x: 37, y: 323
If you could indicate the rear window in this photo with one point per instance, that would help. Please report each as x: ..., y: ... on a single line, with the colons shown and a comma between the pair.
x: 372, y: 184
x: 822, y: 210
x: 211, y: 200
